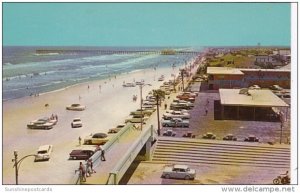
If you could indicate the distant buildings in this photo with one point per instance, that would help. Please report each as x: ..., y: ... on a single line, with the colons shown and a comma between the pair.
x: 225, y: 77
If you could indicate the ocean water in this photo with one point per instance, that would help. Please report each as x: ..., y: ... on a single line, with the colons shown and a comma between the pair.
x: 25, y: 72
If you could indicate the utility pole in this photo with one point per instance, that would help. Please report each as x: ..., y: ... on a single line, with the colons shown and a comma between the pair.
x: 181, y: 73
x: 141, y: 94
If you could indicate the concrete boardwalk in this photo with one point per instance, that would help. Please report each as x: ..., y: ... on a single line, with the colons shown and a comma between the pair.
x: 113, y: 156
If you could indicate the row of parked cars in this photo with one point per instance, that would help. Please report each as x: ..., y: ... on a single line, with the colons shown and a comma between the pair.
x: 230, y: 137
x: 178, y: 115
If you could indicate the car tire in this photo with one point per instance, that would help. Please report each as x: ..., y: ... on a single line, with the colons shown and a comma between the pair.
x: 88, y: 142
x: 187, y: 177
x: 167, y: 176
x: 276, y: 181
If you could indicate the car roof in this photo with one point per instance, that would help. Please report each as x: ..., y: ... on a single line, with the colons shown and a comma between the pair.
x: 44, y: 147
x: 80, y: 150
x: 100, y: 135
x: 181, y: 166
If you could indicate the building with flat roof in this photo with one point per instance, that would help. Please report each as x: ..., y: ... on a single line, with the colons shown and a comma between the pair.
x: 250, y: 104
x: 226, y: 77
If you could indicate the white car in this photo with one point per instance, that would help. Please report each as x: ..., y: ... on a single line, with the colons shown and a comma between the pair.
x: 129, y: 84
x: 76, y: 123
x: 75, y: 107
x: 176, y: 114
x: 43, y: 153
x: 179, y: 172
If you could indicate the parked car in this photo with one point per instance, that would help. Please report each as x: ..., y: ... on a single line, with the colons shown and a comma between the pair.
x: 209, y: 135
x: 129, y: 84
x: 189, y: 135
x: 96, y: 139
x: 276, y: 87
x: 43, y: 153
x: 192, y: 94
x: 175, y: 122
x: 75, y: 107
x: 179, y: 172
x: 161, y: 78
x: 116, y: 129
x: 229, y: 137
x: 186, y: 98
x: 254, y: 87
x: 136, y: 120
x: 81, y: 154
x: 139, y: 112
x: 149, y: 102
x: 251, y: 138
x: 180, y: 106
x: 149, y: 107
x: 176, y: 114
x: 76, y: 123
x: 43, y: 123
x: 169, y: 133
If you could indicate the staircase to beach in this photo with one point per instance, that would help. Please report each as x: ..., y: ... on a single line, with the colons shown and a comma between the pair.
x: 172, y: 150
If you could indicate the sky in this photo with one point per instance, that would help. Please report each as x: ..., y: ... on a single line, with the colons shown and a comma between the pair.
x: 146, y: 24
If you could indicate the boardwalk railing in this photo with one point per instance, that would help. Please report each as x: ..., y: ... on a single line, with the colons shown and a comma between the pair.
x: 117, y: 173
x: 97, y: 155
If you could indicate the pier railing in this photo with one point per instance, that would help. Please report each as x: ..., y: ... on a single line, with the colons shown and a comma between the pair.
x: 97, y: 155
x: 119, y: 170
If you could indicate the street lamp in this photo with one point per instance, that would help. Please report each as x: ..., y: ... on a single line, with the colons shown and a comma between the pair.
x: 18, y: 163
x: 141, y: 95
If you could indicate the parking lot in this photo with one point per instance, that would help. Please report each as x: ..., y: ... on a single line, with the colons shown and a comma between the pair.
x: 150, y: 173
x: 201, y: 123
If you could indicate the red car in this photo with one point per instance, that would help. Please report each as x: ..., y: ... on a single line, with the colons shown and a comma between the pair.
x: 81, y: 154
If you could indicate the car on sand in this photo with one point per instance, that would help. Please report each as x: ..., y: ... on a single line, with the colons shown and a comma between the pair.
x: 43, y: 123
x: 75, y: 107
x: 76, y: 123
x: 43, y: 153
x: 96, y: 139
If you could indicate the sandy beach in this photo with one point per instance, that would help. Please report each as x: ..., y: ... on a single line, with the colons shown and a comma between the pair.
x: 105, y: 108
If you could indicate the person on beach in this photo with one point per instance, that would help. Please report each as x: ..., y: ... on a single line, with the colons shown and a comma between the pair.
x: 206, y: 110
x: 88, y: 86
x: 82, y: 171
x: 100, y: 87
x: 166, y: 106
x: 79, y: 140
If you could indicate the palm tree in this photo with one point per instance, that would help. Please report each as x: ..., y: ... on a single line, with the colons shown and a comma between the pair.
x: 159, y: 95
